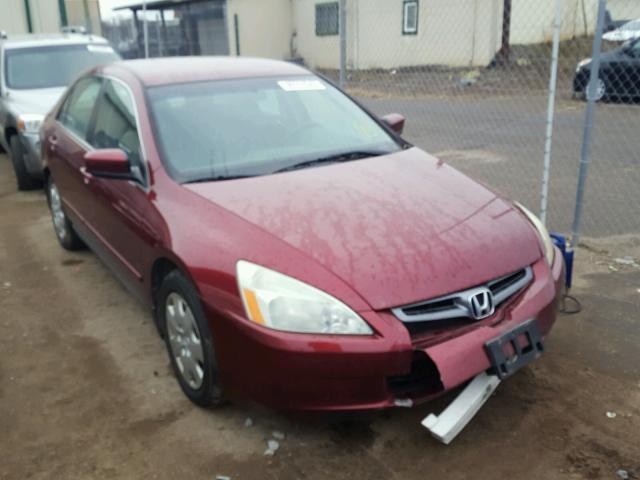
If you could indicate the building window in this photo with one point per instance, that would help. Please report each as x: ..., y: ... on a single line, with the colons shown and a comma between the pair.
x: 410, y: 17
x: 327, y: 22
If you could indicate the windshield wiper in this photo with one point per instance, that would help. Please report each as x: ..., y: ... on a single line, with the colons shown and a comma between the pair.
x: 217, y: 178
x: 337, y: 158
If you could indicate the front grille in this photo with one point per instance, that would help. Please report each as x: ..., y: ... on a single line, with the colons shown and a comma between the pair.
x: 456, y: 307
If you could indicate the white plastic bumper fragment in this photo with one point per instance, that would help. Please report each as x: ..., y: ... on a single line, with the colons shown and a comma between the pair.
x: 446, y: 426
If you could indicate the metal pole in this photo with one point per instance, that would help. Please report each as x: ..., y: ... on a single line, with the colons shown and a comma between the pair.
x: 553, y: 82
x: 343, y: 42
x: 158, y: 37
x: 27, y: 13
x: 62, y: 7
x: 87, y: 16
x: 588, y: 123
x: 145, y: 28
x: 236, y: 29
x: 505, y: 49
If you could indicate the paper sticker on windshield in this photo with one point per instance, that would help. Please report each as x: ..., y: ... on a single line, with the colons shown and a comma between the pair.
x: 301, y: 85
x: 100, y: 48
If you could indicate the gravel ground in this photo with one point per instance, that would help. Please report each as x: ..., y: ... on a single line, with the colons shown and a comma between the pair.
x: 86, y: 391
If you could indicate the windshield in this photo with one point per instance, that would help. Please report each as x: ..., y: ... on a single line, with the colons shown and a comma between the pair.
x: 257, y: 126
x: 55, y: 66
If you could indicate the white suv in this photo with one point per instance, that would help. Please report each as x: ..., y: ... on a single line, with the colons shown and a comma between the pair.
x: 35, y: 70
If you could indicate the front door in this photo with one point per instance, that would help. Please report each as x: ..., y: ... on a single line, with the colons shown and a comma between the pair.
x: 122, y: 213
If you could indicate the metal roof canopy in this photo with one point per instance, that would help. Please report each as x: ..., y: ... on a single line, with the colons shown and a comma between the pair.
x: 161, y: 4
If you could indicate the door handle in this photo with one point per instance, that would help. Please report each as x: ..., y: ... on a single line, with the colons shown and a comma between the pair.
x: 86, y: 176
x: 53, y: 141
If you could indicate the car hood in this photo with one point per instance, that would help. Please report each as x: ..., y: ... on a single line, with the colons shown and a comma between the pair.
x: 399, y: 229
x: 621, y: 35
x: 39, y: 101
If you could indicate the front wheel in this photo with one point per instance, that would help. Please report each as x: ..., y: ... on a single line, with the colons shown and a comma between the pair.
x: 65, y: 233
x: 23, y: 179
x: 188, y: 339
x: 602, y: 90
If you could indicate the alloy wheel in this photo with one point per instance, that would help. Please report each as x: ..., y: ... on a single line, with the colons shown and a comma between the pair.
x: 59, y: 218
x: 601, y: 90
x: 185, y: 340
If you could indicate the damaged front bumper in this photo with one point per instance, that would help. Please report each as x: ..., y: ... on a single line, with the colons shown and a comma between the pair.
x: 393, y: 369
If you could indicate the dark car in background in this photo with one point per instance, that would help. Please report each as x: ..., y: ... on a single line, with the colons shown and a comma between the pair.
x: 35, y: 70
x: 619, y: 75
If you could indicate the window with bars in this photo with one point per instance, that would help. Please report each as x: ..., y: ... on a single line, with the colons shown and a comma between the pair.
x: 327, y: 19
x: 410, y: 17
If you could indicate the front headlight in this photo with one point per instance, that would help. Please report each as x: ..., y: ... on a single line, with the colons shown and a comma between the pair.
x: 543, y: 233
x: 30, y: 122
x: 284, y: 303
x: 583, y: 63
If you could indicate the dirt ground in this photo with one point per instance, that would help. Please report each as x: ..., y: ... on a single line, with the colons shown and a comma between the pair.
x: 86, y: 391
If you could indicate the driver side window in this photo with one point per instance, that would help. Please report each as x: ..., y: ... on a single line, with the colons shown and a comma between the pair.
x: 78, y: 108
x: 115, y: 125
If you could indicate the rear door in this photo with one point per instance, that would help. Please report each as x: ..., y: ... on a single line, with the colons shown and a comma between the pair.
x: 68, y: 145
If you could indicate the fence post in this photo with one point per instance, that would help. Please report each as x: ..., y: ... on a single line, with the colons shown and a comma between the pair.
x: 145, y: 28
x: 553, y: 82
x: 343, y: 42
x: 588, y: 122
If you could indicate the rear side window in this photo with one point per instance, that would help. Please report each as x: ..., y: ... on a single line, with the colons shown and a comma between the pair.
x: 115, y: 125
x: 78, y: 108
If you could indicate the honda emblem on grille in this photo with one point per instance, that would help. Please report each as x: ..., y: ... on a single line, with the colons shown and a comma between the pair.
x: 481, y: 304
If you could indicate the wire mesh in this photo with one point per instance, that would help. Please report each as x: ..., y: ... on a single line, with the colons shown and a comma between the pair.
x: 470, y: 76
x: 480, y: 102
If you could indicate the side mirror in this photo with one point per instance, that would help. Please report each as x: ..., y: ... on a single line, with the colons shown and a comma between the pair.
x: 395, y: 122
x: 108, y: 163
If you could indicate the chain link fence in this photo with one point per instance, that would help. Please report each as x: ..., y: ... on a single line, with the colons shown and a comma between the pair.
x: 472, y: 77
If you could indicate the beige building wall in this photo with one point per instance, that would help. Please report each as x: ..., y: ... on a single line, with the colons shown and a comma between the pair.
x: 624, y: 9
x: 83, y: 12
x: 12, y: 19
x: 265, y: 27
x: 45, y: 16
x: 317, y: 51
x: 450, y: 32
x: 532, y: 22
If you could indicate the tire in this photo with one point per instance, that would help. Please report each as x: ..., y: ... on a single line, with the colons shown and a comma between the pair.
x: 67, y: 236
x: 602, y: 90
x: 179, y: 312
x: 23, y: 179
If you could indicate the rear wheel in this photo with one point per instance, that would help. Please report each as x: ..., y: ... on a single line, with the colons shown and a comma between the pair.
x: 67, y: 236
x: 23, y: 179
x: 188, y: 339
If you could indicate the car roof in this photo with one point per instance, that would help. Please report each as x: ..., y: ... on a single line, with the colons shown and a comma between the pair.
x: 45, y: 40
x: 175, y: 70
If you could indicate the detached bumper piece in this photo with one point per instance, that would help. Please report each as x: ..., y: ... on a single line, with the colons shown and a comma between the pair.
x: 508, y: 353
x: 446, y: 426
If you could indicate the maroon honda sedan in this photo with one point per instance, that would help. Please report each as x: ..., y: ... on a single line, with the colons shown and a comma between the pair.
x: 294, y: 249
